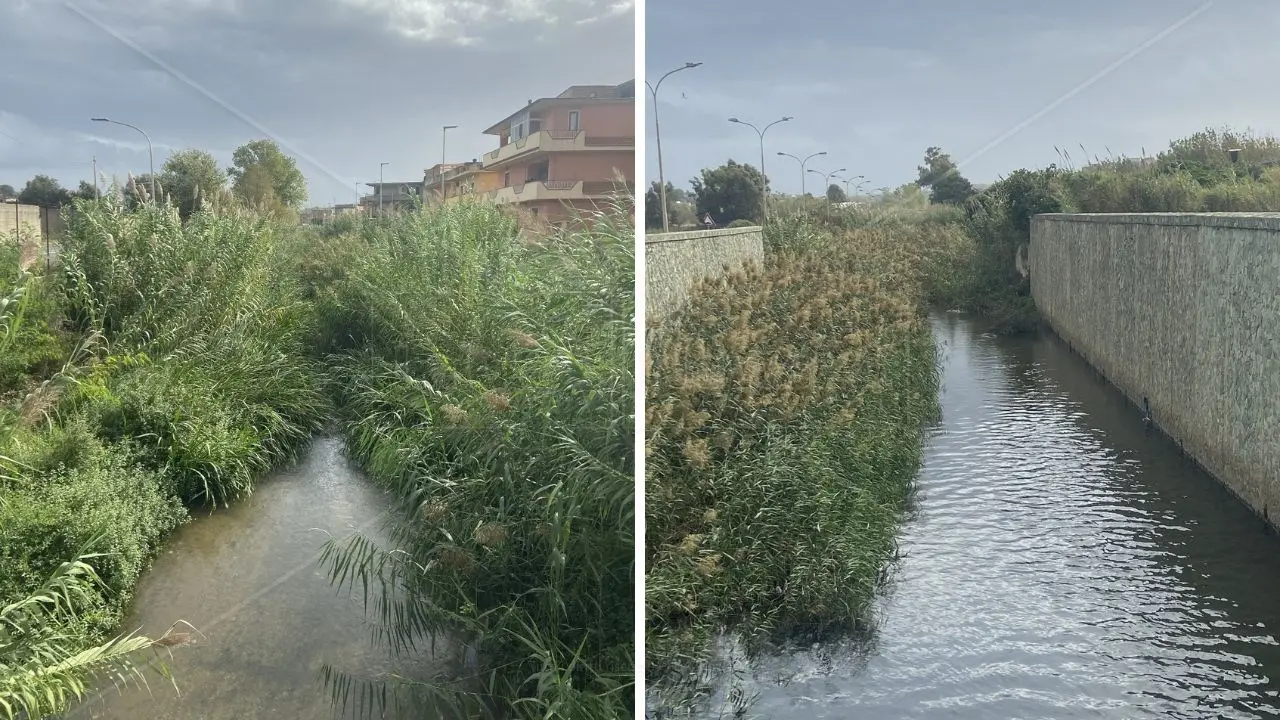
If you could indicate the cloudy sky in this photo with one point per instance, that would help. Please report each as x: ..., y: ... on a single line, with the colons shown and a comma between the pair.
x: 995, y: 83
x: 342, y: 85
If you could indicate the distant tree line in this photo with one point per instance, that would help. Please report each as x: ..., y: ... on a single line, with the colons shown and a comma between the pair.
x: 731, y: 193
x: 260, y: 176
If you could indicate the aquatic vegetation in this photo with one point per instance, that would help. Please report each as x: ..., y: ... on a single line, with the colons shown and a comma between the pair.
x: 784, y: 417
x: 486, y: 375
x: 43, y: 668
x: 221, y: 379
x: 174, y: 365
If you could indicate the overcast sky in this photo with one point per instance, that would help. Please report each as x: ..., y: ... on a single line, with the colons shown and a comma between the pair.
x: 995, y: 83
x: 342, y: 85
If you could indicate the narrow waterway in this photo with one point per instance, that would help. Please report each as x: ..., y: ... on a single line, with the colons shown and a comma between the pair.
x: 1061, y: 562
x: 248, y: 579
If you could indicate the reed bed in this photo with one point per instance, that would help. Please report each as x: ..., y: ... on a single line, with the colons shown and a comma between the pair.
x: 486, y: 375
x: 481, y: 371
x: 161, y: 365
x: 785, y: 413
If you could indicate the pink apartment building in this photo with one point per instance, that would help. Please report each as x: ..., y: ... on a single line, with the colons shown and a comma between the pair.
x: 564, y: 154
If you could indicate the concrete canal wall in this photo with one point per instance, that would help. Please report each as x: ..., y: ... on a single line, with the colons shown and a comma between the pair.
x: 675, y: 261
x: 1183, y: 309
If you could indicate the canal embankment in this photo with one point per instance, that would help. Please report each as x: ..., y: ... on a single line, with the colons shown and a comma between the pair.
x: 1181, y: 311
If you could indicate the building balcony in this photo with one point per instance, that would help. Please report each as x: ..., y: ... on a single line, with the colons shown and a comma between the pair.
x: 556, y: 141
x: 558, y: 190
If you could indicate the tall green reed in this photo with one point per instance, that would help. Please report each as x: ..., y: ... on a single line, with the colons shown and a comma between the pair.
x: 220, y: 379
x: 486, y: 375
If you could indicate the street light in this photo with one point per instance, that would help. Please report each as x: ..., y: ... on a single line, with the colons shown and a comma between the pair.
x: 764, y: 183
x: 151, y: 158
x: 381, y: 190
x: 826, y: 177
x: 849, y: 180
x: 444, y: 137
x: 657, y: 135
x: 802, y: 164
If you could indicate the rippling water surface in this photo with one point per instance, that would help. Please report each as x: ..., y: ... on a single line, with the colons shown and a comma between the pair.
x: 1061, y: 563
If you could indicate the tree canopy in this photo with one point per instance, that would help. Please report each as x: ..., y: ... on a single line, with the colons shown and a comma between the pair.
x: 191, y: 177
x: 729, y: 192
x: 86, y: 191
x: 44, y: 191
x: 835, y: 194
x: 263, y: 176
x: 940, y: 174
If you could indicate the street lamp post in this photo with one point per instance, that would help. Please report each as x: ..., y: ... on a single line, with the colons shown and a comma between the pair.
x: 657, y: 136
x: 849, y: 180
x: 764, y: 183
x: 826, y: 177
x: 802, y: 164
x: 381, y: 190
x: 444, y: 137
x: 151, y: 157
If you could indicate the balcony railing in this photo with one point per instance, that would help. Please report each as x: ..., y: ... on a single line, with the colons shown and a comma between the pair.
x: 555, y: 141
x: 559, y: 190
x: 601, y: 141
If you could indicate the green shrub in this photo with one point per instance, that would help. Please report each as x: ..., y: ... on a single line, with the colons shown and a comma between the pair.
x: 54, y: 513
x: 31, y: 348
x: 741, y: 222
x: 1195, y: 174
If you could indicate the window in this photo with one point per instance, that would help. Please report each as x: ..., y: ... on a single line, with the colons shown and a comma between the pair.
x: 573, y: 120
x: 506, y: 179
x: 538, y: 172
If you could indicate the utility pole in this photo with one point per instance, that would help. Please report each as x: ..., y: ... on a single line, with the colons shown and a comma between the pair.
x: 97, y: 194
x: 381, y: 190
x: 444, y: 138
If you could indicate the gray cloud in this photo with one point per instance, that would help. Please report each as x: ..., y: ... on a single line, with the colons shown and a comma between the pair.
x: 874, y: 84
x: 349, y: 83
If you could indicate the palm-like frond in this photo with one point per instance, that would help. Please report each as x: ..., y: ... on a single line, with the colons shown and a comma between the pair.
x: 42, y: 667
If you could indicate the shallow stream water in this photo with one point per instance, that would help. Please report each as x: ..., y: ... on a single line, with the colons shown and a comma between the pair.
x: 248, y: 579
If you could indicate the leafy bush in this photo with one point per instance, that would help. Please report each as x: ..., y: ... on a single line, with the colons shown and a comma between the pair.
x: 32, y: 347
x: 80, y: 489
x: 1196, y: 174
x: 42, y: 668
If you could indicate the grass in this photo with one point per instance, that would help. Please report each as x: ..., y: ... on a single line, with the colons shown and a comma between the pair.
x: 483, y: 372
x: 487, y: 378
x: 784, y: 419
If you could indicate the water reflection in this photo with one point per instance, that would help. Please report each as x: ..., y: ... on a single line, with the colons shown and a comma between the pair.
x: 1063, y: 562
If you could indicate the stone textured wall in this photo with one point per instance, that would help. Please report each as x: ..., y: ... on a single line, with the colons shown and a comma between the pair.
x: 675, y: 261
x: 1183, y: 309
